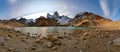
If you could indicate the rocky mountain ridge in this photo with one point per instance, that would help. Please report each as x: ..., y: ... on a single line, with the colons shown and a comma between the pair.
x: 62, y: 20
x: 81, y: 19
x: 87, y: 19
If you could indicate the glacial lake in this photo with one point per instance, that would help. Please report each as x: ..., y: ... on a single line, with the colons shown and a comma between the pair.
x: 49, y: 30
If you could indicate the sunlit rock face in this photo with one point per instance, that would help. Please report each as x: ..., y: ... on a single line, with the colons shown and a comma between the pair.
x: 86, y: 19
x: 42, y: 21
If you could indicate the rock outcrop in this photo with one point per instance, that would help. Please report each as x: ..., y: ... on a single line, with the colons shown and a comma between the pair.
x: 62, y: 20
x: 11, y: 23
x: 29, y: 22
x: 42, y: 21
x: 86, y: 19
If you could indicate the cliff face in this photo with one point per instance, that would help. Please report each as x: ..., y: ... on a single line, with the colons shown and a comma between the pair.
x: 87, y: 19
x: 42, y: 21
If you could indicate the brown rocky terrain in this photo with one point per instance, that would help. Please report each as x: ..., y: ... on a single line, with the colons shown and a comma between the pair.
x: 42, y: 21
x: 11, y: 23
x: 87, y: 19
x: 90, y: 40
x: 93, y: 20
x: 100, y: 38
x: 109, y: 24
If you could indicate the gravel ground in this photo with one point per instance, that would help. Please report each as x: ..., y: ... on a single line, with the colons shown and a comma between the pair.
x: 90, y: 40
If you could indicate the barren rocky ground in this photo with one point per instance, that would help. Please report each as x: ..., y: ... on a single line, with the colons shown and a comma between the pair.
x: 90, y: 40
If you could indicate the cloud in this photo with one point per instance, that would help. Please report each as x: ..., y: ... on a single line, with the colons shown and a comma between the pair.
x: 12, y: 1
x: 65, y: 11
x: 105, y: 7
x: 115, y: 11
x: 35, y: 15
x: 115, y: 7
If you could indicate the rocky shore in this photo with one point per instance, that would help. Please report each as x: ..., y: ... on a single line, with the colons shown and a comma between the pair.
x: 90, y: 40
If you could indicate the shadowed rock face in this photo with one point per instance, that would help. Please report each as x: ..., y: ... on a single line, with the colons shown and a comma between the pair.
x: 86, y: 19
x: 42, y: 21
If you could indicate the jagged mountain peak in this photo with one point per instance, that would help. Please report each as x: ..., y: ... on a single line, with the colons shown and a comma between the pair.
x: 56, y: 13
x: 62, y: 20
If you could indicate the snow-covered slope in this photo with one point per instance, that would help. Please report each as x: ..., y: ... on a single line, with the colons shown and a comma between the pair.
x: 62, y: 20
x: 32, y: 16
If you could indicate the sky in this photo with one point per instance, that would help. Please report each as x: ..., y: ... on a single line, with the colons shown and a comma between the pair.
x: 15, y: 8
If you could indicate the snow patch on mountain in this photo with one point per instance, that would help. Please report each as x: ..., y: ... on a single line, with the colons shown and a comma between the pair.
x: 30, y: 18
x: 62, y: 20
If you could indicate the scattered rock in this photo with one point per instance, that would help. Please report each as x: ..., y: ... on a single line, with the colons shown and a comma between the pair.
x: 84, y: 36
x: 74, y: 46
x: 10, y: 36
x: 17, y: 34
x: 16, y: 50
x: 2, y: 39
x: 49, y: 45
x: 54, y: 48
x: 57, y: 43
x: 60, y: 37
x: 116, y: 41
x: 109, y: 43
x: 96, y: 41
x: 10, y: 49
x: 22, y: 37
x: 64, y: 32
x: 101, y: 36
x: 33, y: 48
x: 3, y: 44
x: 23, y: 40
x: 106, y: 32
x: 26, y: 47
x: 7, y: 38
x: 39, y: 41
x: 80, y: 51
x: 52, y: 38
x: 28, y: 33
